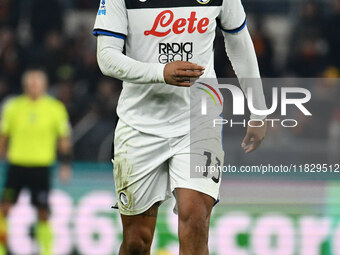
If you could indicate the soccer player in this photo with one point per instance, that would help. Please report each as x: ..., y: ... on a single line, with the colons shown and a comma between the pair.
x: 168, y: 43
x: 33, y: 125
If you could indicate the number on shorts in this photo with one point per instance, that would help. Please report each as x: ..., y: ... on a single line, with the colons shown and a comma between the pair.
x: 208, y: 163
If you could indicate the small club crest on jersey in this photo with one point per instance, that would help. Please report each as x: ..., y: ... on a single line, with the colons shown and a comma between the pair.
x: 203, y: 1
x: 124, y: 199
x: 102, y: 8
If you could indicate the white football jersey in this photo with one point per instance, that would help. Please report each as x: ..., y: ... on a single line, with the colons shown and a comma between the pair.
x: 162, y: 31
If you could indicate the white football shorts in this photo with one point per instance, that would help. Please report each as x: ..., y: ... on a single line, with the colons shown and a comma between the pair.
x: 148, y: 168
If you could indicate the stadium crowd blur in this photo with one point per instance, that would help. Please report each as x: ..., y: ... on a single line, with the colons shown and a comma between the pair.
x: 34, y: 33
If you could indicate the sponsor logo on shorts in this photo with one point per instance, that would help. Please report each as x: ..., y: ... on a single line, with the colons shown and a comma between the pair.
x: 124, y: 199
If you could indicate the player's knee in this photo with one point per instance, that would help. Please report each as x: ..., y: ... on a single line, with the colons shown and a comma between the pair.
x: 137, y: 246
x: 139, y: 243
x: 196, y: 221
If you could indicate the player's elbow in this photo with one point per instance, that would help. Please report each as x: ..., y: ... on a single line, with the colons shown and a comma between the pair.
x: 102, y: 62
x: 108, y: 64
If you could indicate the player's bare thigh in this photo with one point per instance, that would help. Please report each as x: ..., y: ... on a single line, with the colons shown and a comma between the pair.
x: 138, y: 231
x: 194, y: 210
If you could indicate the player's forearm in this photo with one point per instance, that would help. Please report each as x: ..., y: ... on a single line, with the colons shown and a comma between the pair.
x: 114, y: 63
x: 65, y: 150
x: 3, y: 145
x: 241, y: 52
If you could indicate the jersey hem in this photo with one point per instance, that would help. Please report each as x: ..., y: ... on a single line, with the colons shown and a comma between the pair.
x: 145, y: 208
x: 214, y: 195
x: 198, y: 188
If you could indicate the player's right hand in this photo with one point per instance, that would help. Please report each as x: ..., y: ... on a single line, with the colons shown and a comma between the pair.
x: 182, y: 73
x: 65, y: 173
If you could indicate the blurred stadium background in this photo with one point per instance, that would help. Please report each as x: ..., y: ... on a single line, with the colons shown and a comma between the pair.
x: 257, y: 215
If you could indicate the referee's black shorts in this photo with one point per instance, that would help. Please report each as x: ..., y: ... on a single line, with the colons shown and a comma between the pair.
x: 35, y: 179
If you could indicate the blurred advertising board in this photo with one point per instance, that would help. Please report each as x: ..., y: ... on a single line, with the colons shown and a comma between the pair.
x: 262, y: 217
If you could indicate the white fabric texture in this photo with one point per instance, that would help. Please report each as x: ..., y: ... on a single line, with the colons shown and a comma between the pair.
x: 146, y: 102
x: 115, y: 18
x: 114, y: 63
x: 232, y: 14
x: 241, y: 52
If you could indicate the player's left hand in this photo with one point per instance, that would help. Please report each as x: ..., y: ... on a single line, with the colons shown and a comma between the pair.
x: 254, y: 136
x: 65, y: 173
